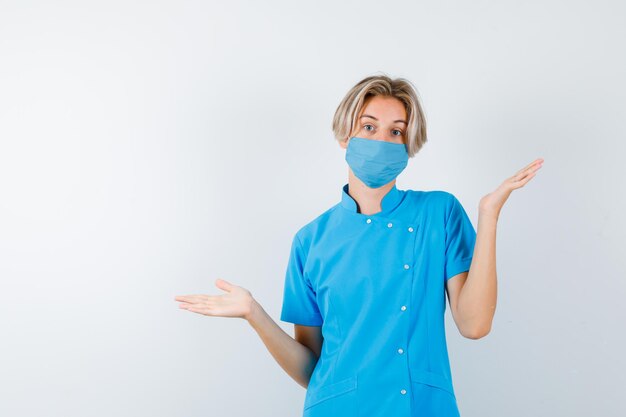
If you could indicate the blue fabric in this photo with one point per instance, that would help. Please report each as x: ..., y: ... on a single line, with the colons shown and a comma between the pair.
x: 376, y: 162
x: 376, y: 285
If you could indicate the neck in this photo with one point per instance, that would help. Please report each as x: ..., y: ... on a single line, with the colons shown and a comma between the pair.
x: 368, y: 199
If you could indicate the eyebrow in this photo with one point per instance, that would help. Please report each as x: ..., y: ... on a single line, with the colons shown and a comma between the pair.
x: 395, y: 121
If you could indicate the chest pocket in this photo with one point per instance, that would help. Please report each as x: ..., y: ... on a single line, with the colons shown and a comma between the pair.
x: 335, y: 399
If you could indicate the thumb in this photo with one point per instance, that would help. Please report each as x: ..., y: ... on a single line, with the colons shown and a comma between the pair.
x: 223, y: 285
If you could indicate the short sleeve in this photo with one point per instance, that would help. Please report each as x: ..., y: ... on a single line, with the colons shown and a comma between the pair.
x: 299, y: 303
x: 460, y: 240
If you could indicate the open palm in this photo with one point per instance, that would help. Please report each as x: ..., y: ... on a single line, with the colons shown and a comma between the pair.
x: 492, y: 203
x: 236, y: 302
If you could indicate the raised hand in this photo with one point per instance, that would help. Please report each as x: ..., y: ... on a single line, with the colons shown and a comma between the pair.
x: 236, y: 302
x: 492, y: 203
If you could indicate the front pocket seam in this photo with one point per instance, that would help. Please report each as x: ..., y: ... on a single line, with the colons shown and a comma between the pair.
x: 433, y: 380
x: 446, y: 390
x: 328, y: 391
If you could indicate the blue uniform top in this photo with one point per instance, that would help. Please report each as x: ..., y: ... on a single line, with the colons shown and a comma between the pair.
x: 376, y: 285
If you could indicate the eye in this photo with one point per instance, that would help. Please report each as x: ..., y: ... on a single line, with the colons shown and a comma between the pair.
x: 365, y: 126
x: 399, y: 132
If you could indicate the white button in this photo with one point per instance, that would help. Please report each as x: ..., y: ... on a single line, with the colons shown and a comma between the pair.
x: 389, y: 224
x: 403, y: 308
x: 410, y: 229
x: 369, y: 220
x: 403, y: 391
x: 406, y: 266
x: 400, y: 351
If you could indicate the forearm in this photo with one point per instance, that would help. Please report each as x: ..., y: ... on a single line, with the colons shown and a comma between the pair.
x: 477, y: 298
x: 296, y: 359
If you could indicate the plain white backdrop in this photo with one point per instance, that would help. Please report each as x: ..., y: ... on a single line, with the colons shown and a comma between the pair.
x: 148, y: 148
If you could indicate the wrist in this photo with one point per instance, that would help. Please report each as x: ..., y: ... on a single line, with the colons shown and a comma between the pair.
x: 253, y: 312
x: 488, y: 214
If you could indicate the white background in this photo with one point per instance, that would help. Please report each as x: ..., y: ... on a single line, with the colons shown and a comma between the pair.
x: 148, y: 148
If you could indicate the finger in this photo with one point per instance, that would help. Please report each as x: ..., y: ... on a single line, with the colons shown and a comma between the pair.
x: 182, y: 297
x: 224, y: 285
x: 191, y: 298
x: 201, y: 310
x: 194, y: 307
x: 190, y: 307
x: 536, y: 161
x: 521, y: 175
x: 528, y: 168
x: 528, y: 178
x: 523, y: 182
x: 535, y: 167
x: 517, y: 177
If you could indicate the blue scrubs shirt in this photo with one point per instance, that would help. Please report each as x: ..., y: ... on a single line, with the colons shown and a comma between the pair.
x: 376, y: 285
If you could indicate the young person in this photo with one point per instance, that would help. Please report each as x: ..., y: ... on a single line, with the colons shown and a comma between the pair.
x: 366, y: 282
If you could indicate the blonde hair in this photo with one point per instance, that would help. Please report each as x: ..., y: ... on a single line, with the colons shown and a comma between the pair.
x: 345, y: 118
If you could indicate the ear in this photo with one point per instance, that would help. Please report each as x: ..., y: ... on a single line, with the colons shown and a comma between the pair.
x: 344, y: 144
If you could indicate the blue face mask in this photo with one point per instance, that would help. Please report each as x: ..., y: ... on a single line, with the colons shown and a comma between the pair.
x: 376, y: 162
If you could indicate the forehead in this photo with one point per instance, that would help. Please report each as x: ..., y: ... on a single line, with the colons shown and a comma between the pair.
x: 384, y: 108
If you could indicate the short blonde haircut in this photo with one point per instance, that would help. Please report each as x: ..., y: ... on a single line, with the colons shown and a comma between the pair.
x: 348, y: 111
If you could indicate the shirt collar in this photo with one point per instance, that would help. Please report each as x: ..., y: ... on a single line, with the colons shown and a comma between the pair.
x: 388, y: 203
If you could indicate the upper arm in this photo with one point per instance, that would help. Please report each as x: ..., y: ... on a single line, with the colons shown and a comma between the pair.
x: 460, y: 239
x: 299, y: 301
x: 309, y: 336
x: 459, y: 251
x: 453, y: 288
x: 299, y: 297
